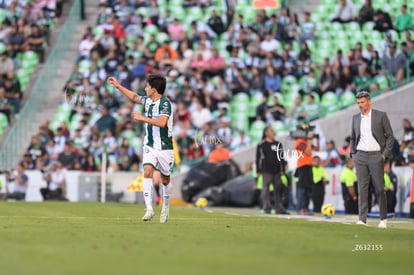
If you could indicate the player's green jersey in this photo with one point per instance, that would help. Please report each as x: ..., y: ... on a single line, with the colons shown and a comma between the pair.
x: 156, y: 137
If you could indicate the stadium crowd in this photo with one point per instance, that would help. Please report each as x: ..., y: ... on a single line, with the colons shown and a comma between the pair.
x: 211, y: 52
x: 25, y: 28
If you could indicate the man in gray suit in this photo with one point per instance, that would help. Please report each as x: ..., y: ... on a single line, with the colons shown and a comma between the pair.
x: 371, y: 144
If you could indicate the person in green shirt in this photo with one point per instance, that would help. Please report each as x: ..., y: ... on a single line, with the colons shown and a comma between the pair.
x: 404, y: 20
x: 320, y: 179
x: 349, y: 185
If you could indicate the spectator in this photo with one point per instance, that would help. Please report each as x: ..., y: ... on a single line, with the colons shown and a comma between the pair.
x: 294, y: 29
x: 68, y: 158
x: 261, y: 109
x: 16, y: 40
x: 165, y: 21
x: 13, y: 91
x: 200, y: 115
x: 327, y: 81
x: 270, y: 44
x: 36, y: 150
x: 272, y: 80
x: 310, y: 110
x: 36, y: 42
x: 307, y: 29
x: 366, y: 13
x: 345, y: 82
x: 282, y: 25
x: 240, y: 140
x: 17, y: 185
x: 185, y: 145
x: 404, y: 20
x: 215, y: 65
x: 219, y: 153
x: 240, y: 83
x: 106, y: 121
x: 276, y: 111
x: 5, y: 106
x: 308, y: 83
x: 216, y: 23
x: 27, y: 163
x: 160, y: 52
x: 382, y: 21
x: 86, y: 46
x: 56, y: 183
x: 110, y: 144
x: 6, y: 64
x: 339, y: 60
x: 176, y: 30
x: 344, y: 12
x: 304, y: 63
x: 394, y: 64
x: 332, y: 156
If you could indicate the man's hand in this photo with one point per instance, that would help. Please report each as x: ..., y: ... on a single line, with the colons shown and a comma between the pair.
x: 113, y: 82
x: 137, y: 115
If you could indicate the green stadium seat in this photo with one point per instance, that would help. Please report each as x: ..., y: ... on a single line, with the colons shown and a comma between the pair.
x: 196, y: 13
x: 255, y: 101
x: 3, y: 47
x: 162, y: 36
x: 287, y: 81
x: 382, y: 81
x: 278, y: 126
x: 387, y: 8
x: 151, y: 29
x: 347, y: 99
x: 240, y: 121
x: 352, y: 27
x: 135, y: 142
x: 356, y: 36
x: 178, y: 12
x: 329, y: 102
x: 3, y: 121
x: 256, y: 130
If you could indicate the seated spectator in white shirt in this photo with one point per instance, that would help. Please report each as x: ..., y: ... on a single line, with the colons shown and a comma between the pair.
x: 240, y: 141
x: 345, y: 12
x: 270, y: 44
x: 201, y: 115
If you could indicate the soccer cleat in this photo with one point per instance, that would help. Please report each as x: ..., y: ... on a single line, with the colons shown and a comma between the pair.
x: 149, y: 214
x: 382, y: 224
x: 361, y: 223
x: 164, y: 215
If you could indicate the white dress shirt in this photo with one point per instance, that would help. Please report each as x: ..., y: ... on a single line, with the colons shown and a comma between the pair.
x: 367, y: 142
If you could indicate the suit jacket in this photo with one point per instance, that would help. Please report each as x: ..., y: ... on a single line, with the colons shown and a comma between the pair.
x: 381, y: 130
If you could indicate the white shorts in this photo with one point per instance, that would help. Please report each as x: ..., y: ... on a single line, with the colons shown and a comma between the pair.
x: 161, y: 160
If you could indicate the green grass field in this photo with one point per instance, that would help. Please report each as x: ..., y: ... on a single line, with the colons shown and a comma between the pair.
x: 92, y: 238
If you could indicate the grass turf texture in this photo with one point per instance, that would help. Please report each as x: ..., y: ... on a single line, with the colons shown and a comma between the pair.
x: 93, y: 238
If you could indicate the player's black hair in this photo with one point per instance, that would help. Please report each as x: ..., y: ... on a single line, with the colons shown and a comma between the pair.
x: 158, y: 82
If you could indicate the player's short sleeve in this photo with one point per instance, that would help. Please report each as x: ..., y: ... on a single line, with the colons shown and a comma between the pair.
x: 165, y: 107
x: 142, y: 99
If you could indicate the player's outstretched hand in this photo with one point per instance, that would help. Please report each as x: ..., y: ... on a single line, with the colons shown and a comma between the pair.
x: 111, y: 80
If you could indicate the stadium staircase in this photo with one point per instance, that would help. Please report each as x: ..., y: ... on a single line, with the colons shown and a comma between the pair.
x: 47, y: 90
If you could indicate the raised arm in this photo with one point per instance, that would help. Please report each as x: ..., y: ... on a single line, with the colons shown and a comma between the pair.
x: 128, y: 93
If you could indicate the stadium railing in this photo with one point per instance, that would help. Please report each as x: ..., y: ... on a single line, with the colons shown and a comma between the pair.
x: 20, y: 130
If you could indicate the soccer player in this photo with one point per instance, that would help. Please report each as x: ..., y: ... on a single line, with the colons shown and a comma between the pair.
x: 158, y: 144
